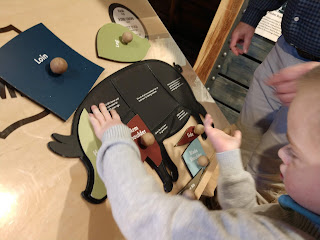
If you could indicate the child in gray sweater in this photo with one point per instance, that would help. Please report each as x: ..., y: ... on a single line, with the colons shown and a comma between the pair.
x: 143, y: 211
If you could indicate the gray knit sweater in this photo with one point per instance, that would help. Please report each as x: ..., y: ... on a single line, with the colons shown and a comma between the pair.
x: 143, y: 211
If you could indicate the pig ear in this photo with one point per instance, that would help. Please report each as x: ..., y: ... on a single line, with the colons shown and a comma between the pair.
x: 66, y: 146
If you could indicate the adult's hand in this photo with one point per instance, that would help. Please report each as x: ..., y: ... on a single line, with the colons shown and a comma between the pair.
x: 242, y: 35
x: 286, y: 80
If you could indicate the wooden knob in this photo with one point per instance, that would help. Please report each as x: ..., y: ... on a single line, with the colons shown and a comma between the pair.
x: 189, y: 194
x: 58, y: 65
x: 203, y: 161
x: 147, y: 139
x: 199, y: 129
x: 126, y: 37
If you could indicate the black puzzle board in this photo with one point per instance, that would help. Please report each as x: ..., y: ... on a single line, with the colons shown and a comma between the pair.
x: 146, y: 96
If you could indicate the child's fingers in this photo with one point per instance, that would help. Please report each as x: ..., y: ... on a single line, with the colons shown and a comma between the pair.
x: 94, y: 122
x: 91, y: 118
x: 97, y: 114
x: 115, y: 115
x: 207, y: 121
x: 237, y: 135
x: 104, y: 111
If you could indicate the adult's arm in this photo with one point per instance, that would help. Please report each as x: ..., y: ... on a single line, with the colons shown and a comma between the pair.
x: 244, y: 31
x: 256, y: 9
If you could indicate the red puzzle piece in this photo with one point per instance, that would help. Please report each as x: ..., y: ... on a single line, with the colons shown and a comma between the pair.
x: 188, y: 136
x: 138, y: 128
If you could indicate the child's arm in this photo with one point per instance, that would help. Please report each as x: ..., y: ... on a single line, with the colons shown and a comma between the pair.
x: 143, y: 211
x: 236, y: 188
x: 139, y: 206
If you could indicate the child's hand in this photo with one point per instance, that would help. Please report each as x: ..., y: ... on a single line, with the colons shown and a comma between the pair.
x: 101, y: 120
x: 220, y: 140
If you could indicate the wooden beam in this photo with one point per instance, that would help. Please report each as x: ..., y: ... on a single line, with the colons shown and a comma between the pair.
x: 216, y: 36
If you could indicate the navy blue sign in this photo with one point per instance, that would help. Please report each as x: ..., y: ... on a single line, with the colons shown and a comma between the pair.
x: 25, y: 65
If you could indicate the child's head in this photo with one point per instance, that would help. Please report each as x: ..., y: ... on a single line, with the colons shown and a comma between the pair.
x: 301, y: 158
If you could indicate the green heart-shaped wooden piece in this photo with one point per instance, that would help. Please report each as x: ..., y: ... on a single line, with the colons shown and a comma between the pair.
x: 110, y: 46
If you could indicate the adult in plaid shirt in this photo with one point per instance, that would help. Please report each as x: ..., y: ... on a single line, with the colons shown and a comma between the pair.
x: 263, y: 117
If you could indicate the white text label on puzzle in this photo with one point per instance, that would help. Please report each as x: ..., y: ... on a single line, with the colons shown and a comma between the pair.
x: 41, y: 58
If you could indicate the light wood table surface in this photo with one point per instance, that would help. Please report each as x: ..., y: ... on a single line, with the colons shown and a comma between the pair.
x: 39, y: 190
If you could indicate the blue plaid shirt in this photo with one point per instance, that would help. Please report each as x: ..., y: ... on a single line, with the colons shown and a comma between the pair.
x: 300, y: 23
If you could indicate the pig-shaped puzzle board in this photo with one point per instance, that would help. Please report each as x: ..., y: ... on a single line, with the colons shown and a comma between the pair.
x: 151, y: 93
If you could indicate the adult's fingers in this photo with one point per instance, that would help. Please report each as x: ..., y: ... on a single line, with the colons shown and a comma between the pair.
x: 233, y: 45
x: 285, y: 75
x: 235, y: 38
x: 286, y: 87
x: 287, y: 98
x: 240, y: 51
x: 291, y: 73
x: 234, y: 49
x: 246, y: 43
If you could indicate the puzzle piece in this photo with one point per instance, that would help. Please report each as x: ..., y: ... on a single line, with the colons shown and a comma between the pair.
x: 24, y: 64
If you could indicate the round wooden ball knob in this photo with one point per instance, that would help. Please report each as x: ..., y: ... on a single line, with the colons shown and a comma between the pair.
x: 189, y: 194
x: 199, y: 129
x: 203, y: 161
x: 58, y: 65
x: 126, y: 37
x: 147, y: 139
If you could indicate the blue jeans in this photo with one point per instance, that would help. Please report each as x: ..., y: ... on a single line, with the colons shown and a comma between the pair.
x: 263, y: 123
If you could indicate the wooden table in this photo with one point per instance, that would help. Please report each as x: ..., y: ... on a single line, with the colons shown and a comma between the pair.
x: 39, y: 190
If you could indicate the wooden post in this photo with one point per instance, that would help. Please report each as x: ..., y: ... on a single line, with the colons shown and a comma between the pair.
x: 216, y: 36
